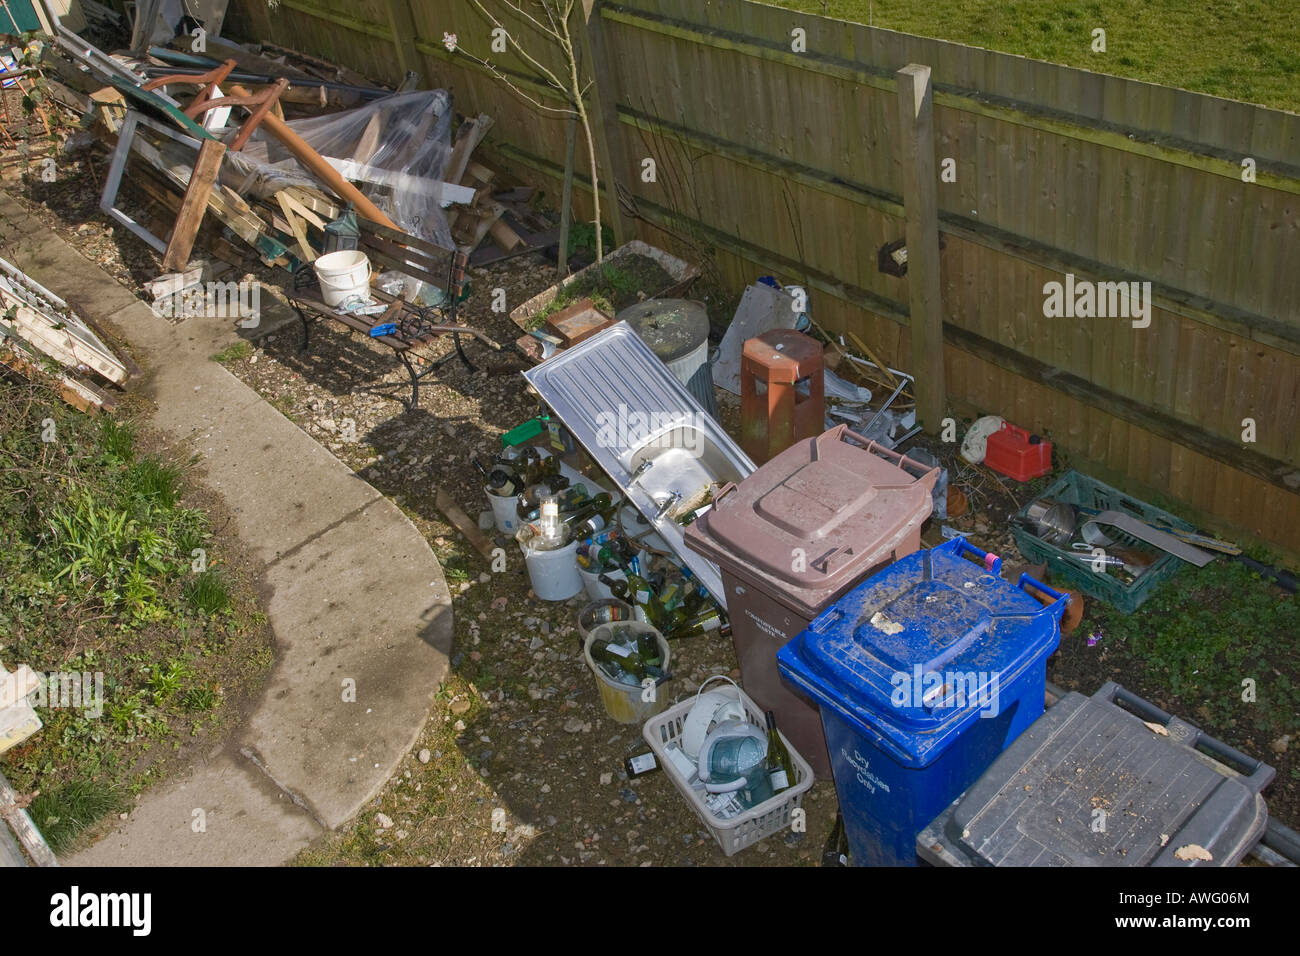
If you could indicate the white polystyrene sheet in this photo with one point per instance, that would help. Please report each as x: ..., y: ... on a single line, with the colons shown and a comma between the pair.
x: 762, y: 308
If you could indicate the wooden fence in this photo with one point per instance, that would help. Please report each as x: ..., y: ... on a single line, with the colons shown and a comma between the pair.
x: 776, y: 159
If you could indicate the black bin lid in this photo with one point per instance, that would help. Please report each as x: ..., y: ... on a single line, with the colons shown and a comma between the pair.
x: 673, y: 328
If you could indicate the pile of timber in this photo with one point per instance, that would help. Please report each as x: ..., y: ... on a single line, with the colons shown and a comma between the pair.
x: 43, y: 339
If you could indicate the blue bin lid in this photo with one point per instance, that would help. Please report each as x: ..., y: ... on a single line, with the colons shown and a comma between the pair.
x: 913, y: 654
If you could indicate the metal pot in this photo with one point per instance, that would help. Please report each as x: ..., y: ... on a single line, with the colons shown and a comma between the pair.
x: 1053, y: 521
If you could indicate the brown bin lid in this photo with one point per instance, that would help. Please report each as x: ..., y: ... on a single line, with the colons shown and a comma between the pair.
x: 844, y: 501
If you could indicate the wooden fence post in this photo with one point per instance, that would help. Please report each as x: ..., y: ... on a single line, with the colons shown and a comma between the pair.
x: 920, y: 208
x: 402, y: 24
x: 604, y: 115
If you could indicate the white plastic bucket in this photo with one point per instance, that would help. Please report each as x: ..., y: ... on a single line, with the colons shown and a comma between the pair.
x: 591, y: 582
x: 342, y: 275
x: 554, y: 574
x: 503, y: 512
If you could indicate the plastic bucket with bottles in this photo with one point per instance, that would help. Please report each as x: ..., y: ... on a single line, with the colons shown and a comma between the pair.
x: 503, y: 511
x: 628, y: 699
x: 603, y: 611
x: 553, y: 573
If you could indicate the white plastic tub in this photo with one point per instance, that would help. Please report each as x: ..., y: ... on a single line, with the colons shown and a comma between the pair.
x: 342, y: 275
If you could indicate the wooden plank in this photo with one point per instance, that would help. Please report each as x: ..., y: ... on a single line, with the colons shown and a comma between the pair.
x: 1283, y: 176
x: 307, y: 254
x: 402, y: 25
x: 419, y: 185
x: 197, y: 192
x: 1185, y: 434
x: 462, y: 523
x: 468, y: 136
x: 916, y: 152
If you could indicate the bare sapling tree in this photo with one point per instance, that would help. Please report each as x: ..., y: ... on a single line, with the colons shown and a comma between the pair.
x: 551, y: 23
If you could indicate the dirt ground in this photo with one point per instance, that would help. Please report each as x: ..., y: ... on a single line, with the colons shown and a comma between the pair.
x: 518, y: 764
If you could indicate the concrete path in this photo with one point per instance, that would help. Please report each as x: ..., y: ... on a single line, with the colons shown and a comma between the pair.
x: 353, y: 594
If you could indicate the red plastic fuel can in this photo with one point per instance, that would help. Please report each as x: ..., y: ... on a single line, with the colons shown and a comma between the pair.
x: 1017, y: 454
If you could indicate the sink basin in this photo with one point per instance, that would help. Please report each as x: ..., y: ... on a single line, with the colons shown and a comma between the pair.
x: 685, y: 462
x: 624, y: 406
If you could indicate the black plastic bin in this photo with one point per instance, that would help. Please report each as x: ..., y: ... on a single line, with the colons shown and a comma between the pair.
x: 1093, y: 783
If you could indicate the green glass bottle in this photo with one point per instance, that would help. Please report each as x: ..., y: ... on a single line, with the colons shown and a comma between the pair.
x: 607, y: 652
x: 644, y: 597
x: 617, y: 586
x: 702, y: 623
x: 780, y: 768
x: 648, y: 647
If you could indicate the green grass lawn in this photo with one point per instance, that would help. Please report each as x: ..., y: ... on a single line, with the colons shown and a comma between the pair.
x: 1244, y: 49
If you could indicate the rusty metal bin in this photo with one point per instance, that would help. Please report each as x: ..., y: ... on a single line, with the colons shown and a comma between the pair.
x: 794, y: 536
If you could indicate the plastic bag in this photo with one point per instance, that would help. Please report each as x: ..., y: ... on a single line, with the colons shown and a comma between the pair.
x: 407, y: 133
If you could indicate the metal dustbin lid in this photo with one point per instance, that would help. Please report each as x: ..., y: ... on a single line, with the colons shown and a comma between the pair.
x: 916, y: 652
x: 809, y: 523
x: 673, y: 328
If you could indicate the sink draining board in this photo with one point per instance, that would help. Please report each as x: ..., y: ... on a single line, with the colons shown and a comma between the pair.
x: 600, y: 384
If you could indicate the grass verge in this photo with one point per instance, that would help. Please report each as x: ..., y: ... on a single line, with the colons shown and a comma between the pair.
x: 117, y: 594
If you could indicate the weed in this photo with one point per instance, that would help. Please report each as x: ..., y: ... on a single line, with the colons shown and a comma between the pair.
x: 208, y: 593
x: 152, y: 482
x: 455, y: 568
x: 62, y: 812
x: 165, y: 681
x: 234, y: 352
x: 116, y: 439
x: 201, y: 698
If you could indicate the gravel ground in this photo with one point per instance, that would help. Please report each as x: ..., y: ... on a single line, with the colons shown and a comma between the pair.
x: 519, y: 729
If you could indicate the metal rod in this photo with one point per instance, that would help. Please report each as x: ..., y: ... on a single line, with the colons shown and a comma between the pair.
x: 239, y: 76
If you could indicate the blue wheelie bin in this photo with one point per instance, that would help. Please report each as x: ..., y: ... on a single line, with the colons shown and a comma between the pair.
x: 924, y: 673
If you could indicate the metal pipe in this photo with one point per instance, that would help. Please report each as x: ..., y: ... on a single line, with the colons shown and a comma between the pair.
x: 240, y: 76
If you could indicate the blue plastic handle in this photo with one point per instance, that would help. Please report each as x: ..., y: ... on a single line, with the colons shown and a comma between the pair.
x: 388, y: 328
x: 962, y: 547
x: 1039, y: 585
x: 1060, y: 603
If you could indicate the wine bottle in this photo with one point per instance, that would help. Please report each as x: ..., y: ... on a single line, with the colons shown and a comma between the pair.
x: 504, y: 481
x: 648, y: 647
x: 617, y: 586
x: 640, y: 764
x: 643, y: 597
x: 580, y: 520
x: 836, y: 851
x: 702, y: 623
x: 607, y: 652
x: 780, y: 768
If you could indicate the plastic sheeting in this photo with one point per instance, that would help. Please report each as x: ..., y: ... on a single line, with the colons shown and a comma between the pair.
x: 408, y: 133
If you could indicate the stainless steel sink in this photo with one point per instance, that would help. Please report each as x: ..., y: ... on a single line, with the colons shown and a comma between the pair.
x: 646, y: 431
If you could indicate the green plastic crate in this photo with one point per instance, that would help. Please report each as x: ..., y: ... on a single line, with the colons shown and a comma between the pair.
x: 1078, y: 489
